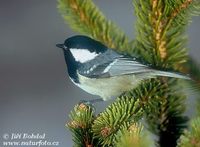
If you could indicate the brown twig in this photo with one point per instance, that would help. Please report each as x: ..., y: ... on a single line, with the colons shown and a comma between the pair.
x: 158, y: 27
x: 180, y: 8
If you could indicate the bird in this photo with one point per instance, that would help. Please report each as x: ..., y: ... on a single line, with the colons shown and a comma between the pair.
x: 102, y: 71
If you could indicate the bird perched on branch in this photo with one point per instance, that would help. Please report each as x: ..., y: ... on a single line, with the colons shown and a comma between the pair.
x: 102, y: 71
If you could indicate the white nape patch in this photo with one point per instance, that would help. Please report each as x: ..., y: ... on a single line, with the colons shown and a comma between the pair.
x: 83, y: 55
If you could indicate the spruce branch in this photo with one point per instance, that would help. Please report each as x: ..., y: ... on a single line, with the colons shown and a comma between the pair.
x: 180, y: 9
x: 161, y: 42
x: 80, y: 125
x: 171, y: 122
x: 152, y: 39
x: 191, y: 138
x: 85, y: 18
x: 163, y: 46
x: 163, y: 107
x: 133, y: 135
x: 125, y: 110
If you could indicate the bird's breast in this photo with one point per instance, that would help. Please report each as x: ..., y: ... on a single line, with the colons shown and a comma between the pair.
x: 107, y: 88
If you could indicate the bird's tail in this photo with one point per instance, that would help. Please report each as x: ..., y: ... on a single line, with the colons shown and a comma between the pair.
x: 170, y: 74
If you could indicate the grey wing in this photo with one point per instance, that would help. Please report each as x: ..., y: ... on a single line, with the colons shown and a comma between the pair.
x: 118, y: 66
x: 124, y: 66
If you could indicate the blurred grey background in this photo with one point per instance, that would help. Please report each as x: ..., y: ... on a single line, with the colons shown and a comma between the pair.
x: 36, y: 94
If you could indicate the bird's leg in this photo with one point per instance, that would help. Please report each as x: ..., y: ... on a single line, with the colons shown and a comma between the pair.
x: 90, y: 102
x: 95, y: 101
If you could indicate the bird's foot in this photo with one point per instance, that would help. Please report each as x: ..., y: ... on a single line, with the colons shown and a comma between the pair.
x: 90, y: 103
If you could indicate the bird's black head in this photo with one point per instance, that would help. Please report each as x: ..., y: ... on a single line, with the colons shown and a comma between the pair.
x: 80, y: 49
x: 83, y: 43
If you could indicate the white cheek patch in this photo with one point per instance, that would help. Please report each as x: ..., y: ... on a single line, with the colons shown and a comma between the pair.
x: 83, y: 55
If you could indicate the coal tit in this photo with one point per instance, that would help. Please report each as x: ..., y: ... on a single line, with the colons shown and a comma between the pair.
x: 102, y: 71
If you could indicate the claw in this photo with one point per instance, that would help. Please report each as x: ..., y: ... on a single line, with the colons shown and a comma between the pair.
x: 90, y: 103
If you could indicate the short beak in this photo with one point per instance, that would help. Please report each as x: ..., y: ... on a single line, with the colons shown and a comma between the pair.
x: 60, y: 46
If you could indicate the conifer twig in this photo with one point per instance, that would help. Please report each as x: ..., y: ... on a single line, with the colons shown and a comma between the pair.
x: 191, y: 138
x: 85, y: 17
